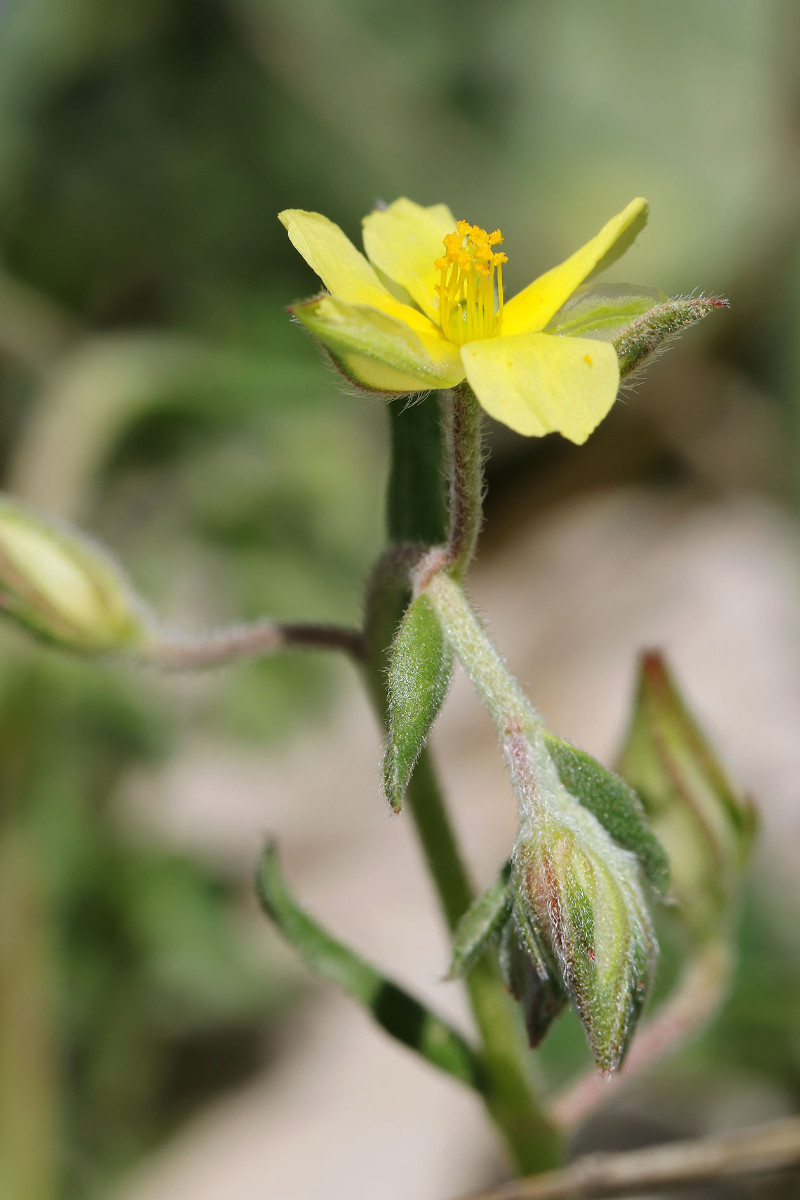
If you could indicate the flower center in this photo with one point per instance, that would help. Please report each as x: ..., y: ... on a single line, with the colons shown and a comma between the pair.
x: 471, y: 284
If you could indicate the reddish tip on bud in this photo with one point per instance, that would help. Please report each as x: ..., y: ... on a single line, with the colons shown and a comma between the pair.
x: 705, y: 826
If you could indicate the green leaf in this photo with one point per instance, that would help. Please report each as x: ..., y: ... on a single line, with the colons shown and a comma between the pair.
x: 419, y: 675
x: 603, y: 310
x: 400, y: 1014
x: 480, y: 923
x: 706, y: 827
x: 615, y: 805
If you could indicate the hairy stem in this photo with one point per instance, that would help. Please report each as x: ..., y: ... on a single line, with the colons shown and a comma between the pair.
x: 532, y: 1139
x: 462, y: 424
x: 181, y: 652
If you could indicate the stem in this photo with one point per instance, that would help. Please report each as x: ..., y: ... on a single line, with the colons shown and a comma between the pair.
x: 462, y: 423
x: 496, y: 686
x: 531, y: 1138
x: 181, y: 652
x: 761, y: 1151
x: 415, y: 503
x: 691, y: 1006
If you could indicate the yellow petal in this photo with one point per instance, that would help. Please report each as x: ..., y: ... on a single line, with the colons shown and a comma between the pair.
x: 343, y: 270
x: 379, y: 351
x: 533, y: 307
x: 404, y: 240
x: 538, y: 383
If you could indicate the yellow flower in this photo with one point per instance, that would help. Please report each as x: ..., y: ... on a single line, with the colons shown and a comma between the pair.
x: 408, y: 318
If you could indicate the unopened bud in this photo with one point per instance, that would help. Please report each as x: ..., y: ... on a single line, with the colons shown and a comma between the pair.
x: 579, y: 897
x: 706, y: 828
x: 63, y: 586
x: 582, y: 849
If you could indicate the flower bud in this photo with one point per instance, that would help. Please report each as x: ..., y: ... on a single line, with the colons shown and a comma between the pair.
x: 579, y: 902
x: 582, y: 849
x: 706, y: 828
x: 62, y: 586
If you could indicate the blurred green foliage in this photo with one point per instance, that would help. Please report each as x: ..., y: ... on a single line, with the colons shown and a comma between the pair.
x: 153, y: 389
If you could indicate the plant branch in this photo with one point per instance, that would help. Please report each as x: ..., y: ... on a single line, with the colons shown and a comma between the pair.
x: 765, y: 1150
x: 414, y: 496
x: 181, y: 652
x: 690, y: 1007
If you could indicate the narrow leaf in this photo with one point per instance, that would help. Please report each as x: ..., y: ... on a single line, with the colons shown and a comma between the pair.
x: 480, y: 923
x: 398, y: 1013
x: 419, y: 675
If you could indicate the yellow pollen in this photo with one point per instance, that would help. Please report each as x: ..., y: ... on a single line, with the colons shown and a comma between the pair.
x: 587, y: 358
x: 470, y: 286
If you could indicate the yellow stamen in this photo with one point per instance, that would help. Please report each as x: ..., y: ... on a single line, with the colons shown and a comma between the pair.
x: 470, y: 284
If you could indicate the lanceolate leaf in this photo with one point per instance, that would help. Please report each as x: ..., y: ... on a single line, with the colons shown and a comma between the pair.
x: 615, y: 805
x: 419, y: 674
x: 482, y: 921
x: 397, y: 1012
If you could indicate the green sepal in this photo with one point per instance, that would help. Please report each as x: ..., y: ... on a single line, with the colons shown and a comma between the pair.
x: 420, y: 667
x: 603, y: 310
x: 539, y: 992
x: 706, y: 827
x: 398, y: 1013
x: 615, y: 805
x: 650, y: 332
x: 532, y: 973
x: 375, y: 350
x: 482, y: 921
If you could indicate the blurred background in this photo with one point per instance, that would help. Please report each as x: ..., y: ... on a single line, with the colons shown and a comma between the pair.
x: 156, y: 1041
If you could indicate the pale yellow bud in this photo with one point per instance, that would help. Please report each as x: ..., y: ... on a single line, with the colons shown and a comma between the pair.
x: 63, y: 586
